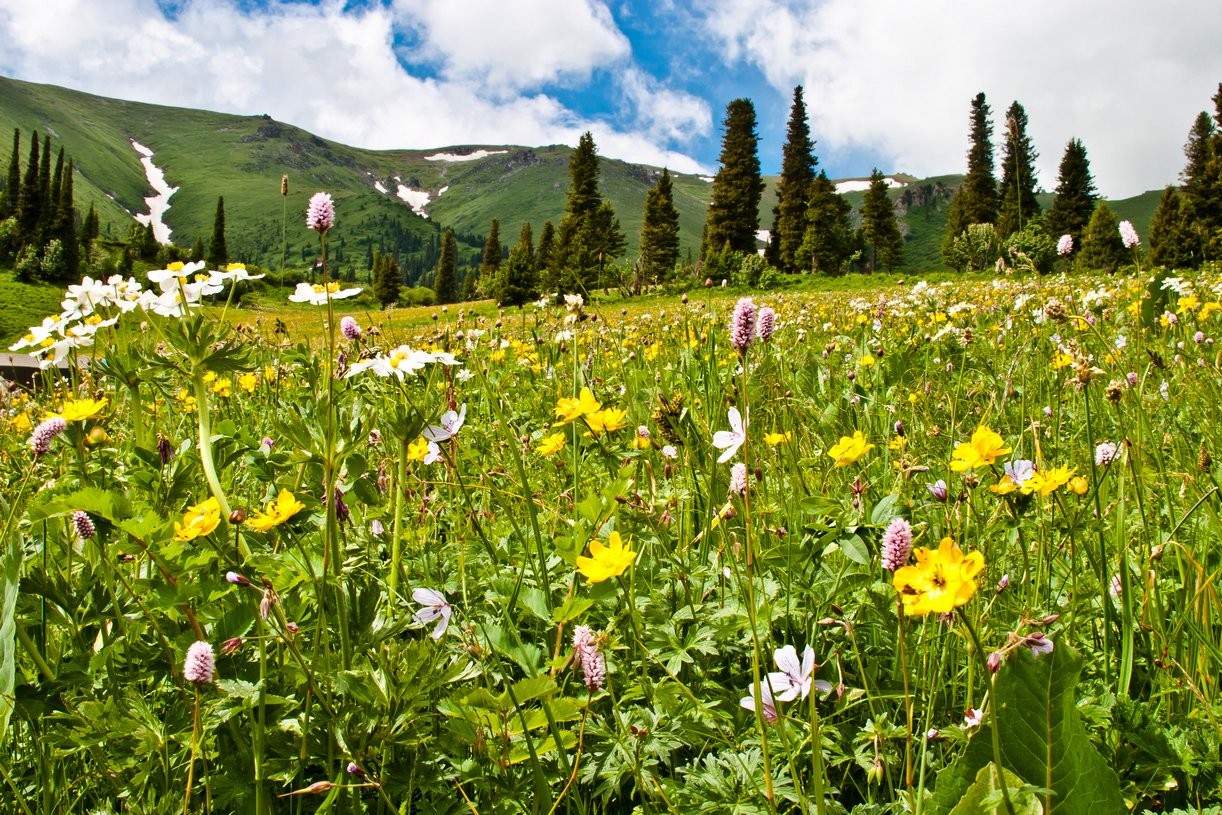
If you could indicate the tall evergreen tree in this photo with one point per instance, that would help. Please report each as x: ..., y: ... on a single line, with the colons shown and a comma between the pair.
x: 64, y: 227
x: 1018, y: 202
x: 445, y: 279
x: 589, y: 235
x: 1102, y: 246
x: 976, y: 200
x: 1075, y: 195
x: 829, y: 240
x: 46, y: 205
x: 793, y: 189
x: 91, y: 228
x: 1202, y: 183
x: 1171, y: 241
x: 218, y: 250
x: 386, y: 279
x: 733, y: 213
x: 879, y: 231
x: 516, y: 286
x: 659, y: 231
x: 543, y: 259
x: 490, y: 263
x: 12, y: 184
x: 29, y: 208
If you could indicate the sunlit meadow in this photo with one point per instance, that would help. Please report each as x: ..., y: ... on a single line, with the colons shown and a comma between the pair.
x: 922, y: 548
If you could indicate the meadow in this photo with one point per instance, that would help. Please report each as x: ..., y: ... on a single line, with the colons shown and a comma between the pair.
x: 897, y: 547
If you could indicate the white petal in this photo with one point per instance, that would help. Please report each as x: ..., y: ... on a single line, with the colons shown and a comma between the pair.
x: 428, y: 597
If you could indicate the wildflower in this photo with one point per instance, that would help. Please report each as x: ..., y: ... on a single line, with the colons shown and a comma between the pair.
x: 738, y: 479
x: 234, y: 272
x: 320, y: 216
x: 284, y: 506
x: 942, y: 579
x: 641, y: 440
x: 590, y: 658
x: 1065, y: 245
x: 606, y: 420
x: 78, y: 410
x: 45, y: 433
x: 1078, y: 485
x: 849, y: 449
x: 200, y: 663
x: 669, y: 451
x: 550, y: 445
x: 766, y: 324
x: 83, y: 525
x: 248, y: 381
x: 435, y: 607
x: 777, y: 439
x: 938, y: 490
x: 355, y: 769
x: 1039, y: 643
x: 350, y: 328
x: 377, y: 528
x: 434, y: 453
x: 198, y: 520
x: 318, y: 294
x: 794, y: 680
x: 568, y: 410
x: 973, y: 716
x: 981, y: 451
x: 1046, y: 482
x: 605, y: 560
x: 451, y: 423
x: 994, y: 661
x: 231, y: 645
x: 1105, y: 453
x: 1129, y: 235
x: 237, y: 579
x: 897, y: 544
x: 769, y: 703
x: 728, y: 441
x: 742, y: 324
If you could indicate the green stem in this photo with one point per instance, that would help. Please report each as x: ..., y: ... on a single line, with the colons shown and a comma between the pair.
x: 396, y: 553
x: 1001, y: 775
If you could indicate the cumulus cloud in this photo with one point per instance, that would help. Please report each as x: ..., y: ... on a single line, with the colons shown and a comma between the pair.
x: 896, y: 79
x: 334, y: 69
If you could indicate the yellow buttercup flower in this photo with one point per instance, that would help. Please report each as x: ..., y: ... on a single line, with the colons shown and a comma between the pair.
x: 198, y: 521
x: 777, y: 439
x: 849, y: 449
x: 417, y: 450
x: 981, y: 451
x: 550, y: 445
x: 942, y: 579
x: 222, y: 388
x: 568, y: 410
x: 607, y: 420
x: 284, y: 506
x: 78, y: 410
x: 605, y: 560
x: 1046, y: 482
x: 248, y: 382
x: 1078, y: 485
x: 1005, y: 486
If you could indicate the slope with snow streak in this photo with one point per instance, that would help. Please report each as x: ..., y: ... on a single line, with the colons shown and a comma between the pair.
x: 158, y: 204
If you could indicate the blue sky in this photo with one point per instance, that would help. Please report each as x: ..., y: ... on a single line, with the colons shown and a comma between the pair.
x: 888, y: 83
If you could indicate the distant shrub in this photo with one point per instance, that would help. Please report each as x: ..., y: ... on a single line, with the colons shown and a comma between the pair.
x: 417, y: 296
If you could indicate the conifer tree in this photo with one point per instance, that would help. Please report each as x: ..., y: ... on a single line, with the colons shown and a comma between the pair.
x: 197, y: 248
x: 589, y: 235
x: 445, y: 279
x: 45, y: 204
x: 90, y: 229
x: 879, y: 231
x: 218, y: 250
x: 64, y: 226
x: 793, y: 189
x: 1202, y: 183
x: 490, y: 263
x: 1018, y: 202
x: 29, y: 207
x: 386, y: 279
x: 546, y: 280
x: 1171, y: 241
x: 12, y: 184
x: 733, y: 214
x: 1102, y: 246
x: 516, y: 286
x: 659, y: 231
x: 829, y: 240
x: 1075, y: 195
x: 976, y: 200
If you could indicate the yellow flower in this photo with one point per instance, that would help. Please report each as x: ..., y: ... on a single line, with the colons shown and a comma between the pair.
x: 848, y: 450
x: 222, y: 388
x: 605, y: 561
x: 78, y: 410
x: 1061, y: 360
x: 1005, y: 486
x: 981, y: 451
x: 941, y: 581
x: 20, y: 423
x: 1078, y: 485
x: 605, y: 421
x: 640, y: 442
x: 1187, y: 303
x: 417, y: 450
x: 248, y: 382
x: 568, y: 410
x: 284, y: 506
x: 198, y: 521
x: 866, y: 361
x: 550, y: 445
x: 1208, y: 309
x: 777, y: 439
x: 1046, y: 482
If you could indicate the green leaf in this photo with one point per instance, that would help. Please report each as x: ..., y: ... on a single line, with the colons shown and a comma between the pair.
x: 573, y: 608
x: 885, y: 510
x: 854, y: 549
x: 1042, y: 739
x: 10, y: 580
x: 984, y: 796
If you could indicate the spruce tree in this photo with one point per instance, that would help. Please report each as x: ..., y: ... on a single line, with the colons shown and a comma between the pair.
x: 546, y: 280
x: 197, y: 248
x: 1075, y: 196
x: 64, y: 227
x: 386, y: 279
x: 30, y: 205
x: 793, y: 190
x: 445, y: 278
x: 1202, y: 183
x: 469, y: 290
x: 45, y: 203
x: 733, y: 214
x: 976, y: 200
x: 90, y: 229
x: 516, y: 286
x: 1018, y: 203
x: 218, y: 251
x: 659, y: 231
x: 1171, y: 241
x: 490, y: 263
x: 12, y: 184
x: 589, y: 235
x: 879, y: 231
x: 1102, y: 246
x: 829, y: 241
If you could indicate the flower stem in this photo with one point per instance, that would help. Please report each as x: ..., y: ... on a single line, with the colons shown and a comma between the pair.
x: 1001, y: 777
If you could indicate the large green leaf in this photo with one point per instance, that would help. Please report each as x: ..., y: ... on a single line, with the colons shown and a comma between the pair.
x: 10, y: 574
x: 1042, y: 739
x: 984, y: 796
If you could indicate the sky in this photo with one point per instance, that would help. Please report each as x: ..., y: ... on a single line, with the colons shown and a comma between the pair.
x: 887, y: 83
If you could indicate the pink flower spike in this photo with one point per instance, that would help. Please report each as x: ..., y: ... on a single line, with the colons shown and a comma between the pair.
x: 320, y: 216
x: 199, y: 664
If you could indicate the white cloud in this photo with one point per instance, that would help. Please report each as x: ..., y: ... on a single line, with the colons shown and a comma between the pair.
x: 1125, y: 76
x: 665, y: 114
x: 335, y: 72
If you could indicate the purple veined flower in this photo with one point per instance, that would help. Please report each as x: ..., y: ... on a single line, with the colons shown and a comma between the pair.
x: 1019, y: 471
x: 237, y: 579
x: 938, y: 490
x: 897, y: 544
x: 1039, y: 643
x: 670, y: 451
x: 451, y: 423
x: 435, y: 607
x: 1128, y: 234
x: 766, y: 697
x: 994, y: 661
x: 355, y: 769
x: 742, y: 324
x: 434, y: 453
x: 728, y: 441
x: 376, y: 528
x: 972, y: 717
x: 795, y: 679
x: 1065, y: 245
x: 320, y: 215
x: 350, y: 328
x: 199, y: 664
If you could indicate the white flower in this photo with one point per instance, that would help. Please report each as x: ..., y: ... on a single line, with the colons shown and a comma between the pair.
x: 318, y: 295
x: 435, y: 607
x: 973, y: 717
x: 794, y: 680
x: 1105, y: 453
x: 451, y: 423
x: 769, y: 703
x: 175, y: 271
x: 669, y: 451
x: 728, y: 441
x: 233, y: 272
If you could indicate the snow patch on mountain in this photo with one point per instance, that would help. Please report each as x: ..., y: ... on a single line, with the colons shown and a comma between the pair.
x: 158, y: 204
